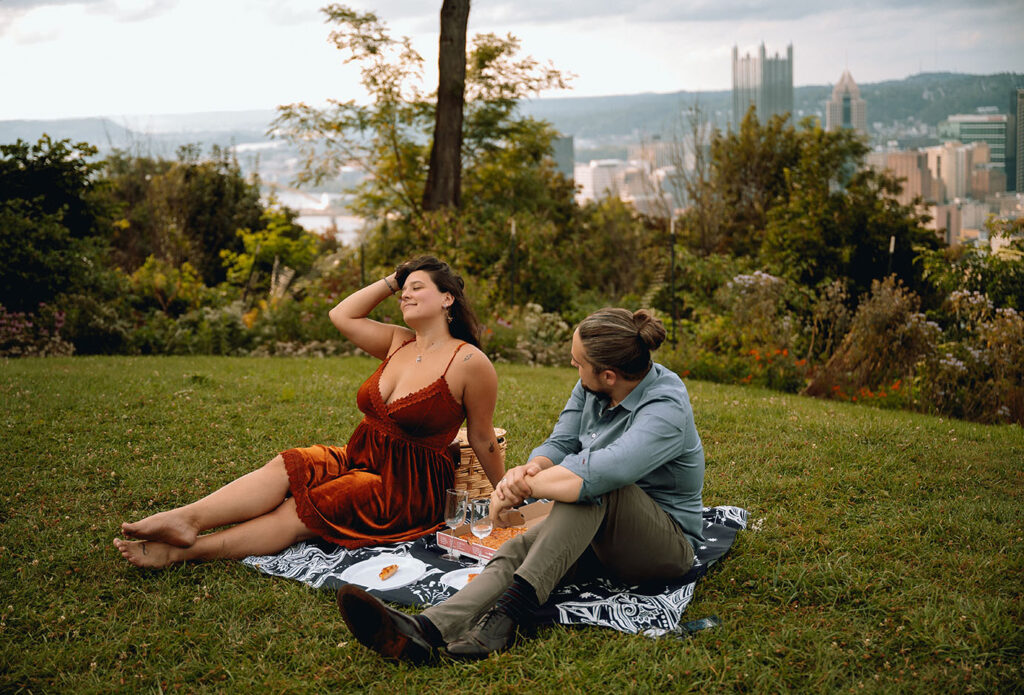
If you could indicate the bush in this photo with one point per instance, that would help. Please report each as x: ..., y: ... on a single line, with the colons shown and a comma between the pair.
x: 529, y: 335
x: 33, y: 335
x: 886, y: 339
x: 979, y: 375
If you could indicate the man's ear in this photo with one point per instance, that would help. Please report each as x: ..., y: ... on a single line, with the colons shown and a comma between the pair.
x: 609, y: 377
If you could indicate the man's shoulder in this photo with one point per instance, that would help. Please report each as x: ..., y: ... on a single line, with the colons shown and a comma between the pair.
x: 666, y: 383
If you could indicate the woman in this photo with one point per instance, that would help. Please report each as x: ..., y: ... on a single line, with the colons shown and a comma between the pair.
x: 387, y: 484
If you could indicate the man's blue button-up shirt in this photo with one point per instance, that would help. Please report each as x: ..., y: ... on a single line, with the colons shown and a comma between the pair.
x: 648, y: 439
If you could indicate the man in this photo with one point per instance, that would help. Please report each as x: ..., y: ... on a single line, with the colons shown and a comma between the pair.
x: 625, y: 467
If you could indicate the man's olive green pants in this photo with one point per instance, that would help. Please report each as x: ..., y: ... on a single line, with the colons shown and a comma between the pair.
x: 629, y: 536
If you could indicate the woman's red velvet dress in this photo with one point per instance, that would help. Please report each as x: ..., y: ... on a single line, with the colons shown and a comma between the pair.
x: 387, y: 484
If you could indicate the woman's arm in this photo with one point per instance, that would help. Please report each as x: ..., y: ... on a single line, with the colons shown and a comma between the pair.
x: 479, y: 398
x: 349, y: 317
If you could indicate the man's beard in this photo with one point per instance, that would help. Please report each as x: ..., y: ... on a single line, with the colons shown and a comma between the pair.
x: 597, y: 394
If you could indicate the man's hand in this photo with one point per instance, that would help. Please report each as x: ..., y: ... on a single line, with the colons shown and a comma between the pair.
x: 515, y: 486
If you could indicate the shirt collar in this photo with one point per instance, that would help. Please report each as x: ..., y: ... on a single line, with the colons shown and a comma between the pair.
x: 631, y: 401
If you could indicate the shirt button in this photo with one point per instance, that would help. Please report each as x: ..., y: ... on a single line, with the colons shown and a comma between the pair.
x: 593, y: 435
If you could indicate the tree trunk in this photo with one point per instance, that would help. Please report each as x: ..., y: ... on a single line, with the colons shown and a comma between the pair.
x: 444, y: 177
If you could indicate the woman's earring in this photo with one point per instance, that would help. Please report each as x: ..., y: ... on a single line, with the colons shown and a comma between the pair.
x: 448, y: 313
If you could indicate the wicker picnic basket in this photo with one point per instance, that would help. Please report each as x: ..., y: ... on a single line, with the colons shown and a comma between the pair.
x: 469, y: 474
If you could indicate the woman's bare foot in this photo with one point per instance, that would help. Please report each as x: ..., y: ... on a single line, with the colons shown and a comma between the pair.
x: 149, y: 554
x: 165, y: 527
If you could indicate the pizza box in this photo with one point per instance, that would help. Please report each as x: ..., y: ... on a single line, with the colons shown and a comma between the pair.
x: 532, y: 514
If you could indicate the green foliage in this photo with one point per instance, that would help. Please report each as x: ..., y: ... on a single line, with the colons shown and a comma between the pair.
x: 186, y: 210
x: 999, y: 276
x: 160, y: 285
x: 887, y: 338
x: 278, y: 242
x: 57, y: 178
x: 36, y: 335
x: 978, y: 373
x: 52, y: 222
x: 528, y: 335
x: 749, y: 169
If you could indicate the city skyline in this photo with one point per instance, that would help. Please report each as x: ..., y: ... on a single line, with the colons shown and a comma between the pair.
x: 79, y: 58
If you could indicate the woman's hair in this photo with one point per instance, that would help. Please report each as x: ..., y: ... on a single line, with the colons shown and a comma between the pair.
x: 621, y: 340
x: 464, y: 324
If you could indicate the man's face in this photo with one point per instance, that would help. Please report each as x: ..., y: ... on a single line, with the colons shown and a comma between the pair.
x: 589, y: 380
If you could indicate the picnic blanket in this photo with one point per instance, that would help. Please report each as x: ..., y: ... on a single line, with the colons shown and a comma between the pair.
x: 654, y: 611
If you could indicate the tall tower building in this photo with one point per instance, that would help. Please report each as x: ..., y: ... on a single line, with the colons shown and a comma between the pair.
x: 1015, y: 143
x: 846, y: 109
x: 765, y: 82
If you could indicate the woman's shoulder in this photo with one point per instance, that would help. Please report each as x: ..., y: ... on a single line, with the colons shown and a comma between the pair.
x: 471, y: 360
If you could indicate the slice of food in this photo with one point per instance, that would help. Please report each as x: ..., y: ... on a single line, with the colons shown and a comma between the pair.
x: 471, y: 577
x: 497, y: 537
x: 388, y: 572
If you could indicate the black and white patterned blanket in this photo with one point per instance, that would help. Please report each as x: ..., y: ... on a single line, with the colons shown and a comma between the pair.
x: 595, y: 602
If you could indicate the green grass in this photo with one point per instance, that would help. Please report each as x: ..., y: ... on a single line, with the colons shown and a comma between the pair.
x: 887, y: 555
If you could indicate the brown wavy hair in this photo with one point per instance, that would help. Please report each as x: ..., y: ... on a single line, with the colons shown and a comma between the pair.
x: 621, y: 340
x: 464, y: 324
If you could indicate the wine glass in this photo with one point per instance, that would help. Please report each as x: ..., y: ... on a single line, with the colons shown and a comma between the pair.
x: 455, y: 502
x: 480, y: 522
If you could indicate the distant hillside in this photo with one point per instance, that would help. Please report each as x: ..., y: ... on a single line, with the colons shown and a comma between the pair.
x: 96, y: 131
x: 927, y: 98
x: 595, y: 122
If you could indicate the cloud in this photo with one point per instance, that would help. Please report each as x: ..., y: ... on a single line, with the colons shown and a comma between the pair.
x: 558, y: 11
x: 11, y: 11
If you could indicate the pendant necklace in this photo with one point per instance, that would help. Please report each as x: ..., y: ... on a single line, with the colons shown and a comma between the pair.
x: 419, y: 357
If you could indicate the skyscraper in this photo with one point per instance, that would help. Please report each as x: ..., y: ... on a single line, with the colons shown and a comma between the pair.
x: 765, y: 82
x: 846, y: 109
x: 1015, y: 143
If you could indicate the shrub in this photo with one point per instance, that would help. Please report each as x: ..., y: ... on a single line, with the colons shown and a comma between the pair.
x: 980, y: 374
x: 33, y: 335
x: 529, y: 335
x: 886, y: 339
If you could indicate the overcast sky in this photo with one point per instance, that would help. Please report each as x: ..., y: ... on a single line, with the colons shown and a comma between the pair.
x: 69, y: 58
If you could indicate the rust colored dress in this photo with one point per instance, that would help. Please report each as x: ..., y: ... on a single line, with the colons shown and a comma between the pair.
x: 387, y: 484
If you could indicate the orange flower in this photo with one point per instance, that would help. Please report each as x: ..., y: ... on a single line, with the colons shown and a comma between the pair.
x: 801, y: 362
x: 881, y: 394
x: 785, y: 351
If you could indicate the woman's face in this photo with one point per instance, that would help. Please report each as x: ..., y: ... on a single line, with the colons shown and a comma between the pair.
x: 421, y: 298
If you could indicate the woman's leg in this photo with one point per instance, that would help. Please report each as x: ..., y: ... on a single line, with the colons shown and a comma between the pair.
x: 264, y: 535
x: 248, y: 497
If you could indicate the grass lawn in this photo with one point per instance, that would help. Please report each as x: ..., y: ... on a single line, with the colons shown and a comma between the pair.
x: 885, y: 553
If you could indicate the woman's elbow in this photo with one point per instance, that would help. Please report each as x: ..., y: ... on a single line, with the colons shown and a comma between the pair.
x: 338, y: 318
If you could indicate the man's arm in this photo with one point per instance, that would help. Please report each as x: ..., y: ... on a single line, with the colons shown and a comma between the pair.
x: 532, y: 480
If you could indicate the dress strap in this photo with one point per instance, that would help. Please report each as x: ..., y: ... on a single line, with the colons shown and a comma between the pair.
x: 453, y: 357
x: 410, y: 340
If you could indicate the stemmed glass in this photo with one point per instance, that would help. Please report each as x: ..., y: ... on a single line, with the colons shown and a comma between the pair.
x: 455, y: 502
x: 480, y: 522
